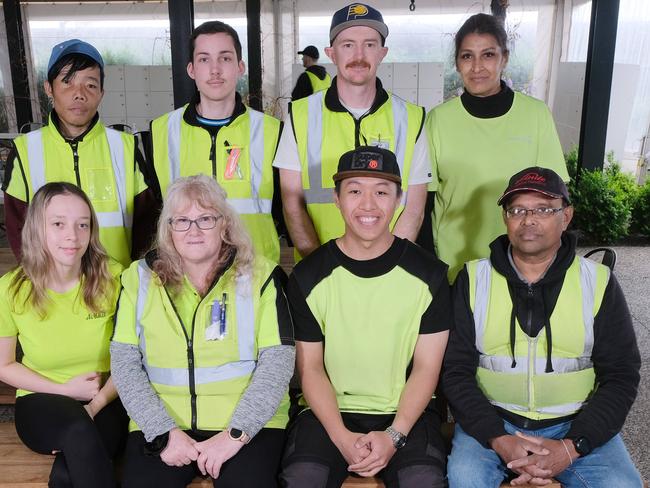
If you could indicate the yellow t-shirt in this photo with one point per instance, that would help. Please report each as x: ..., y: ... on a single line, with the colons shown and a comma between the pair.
x: 69, y: 341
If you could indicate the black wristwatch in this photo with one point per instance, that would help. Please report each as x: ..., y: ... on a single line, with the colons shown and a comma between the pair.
x: 582, y: 445
x: 399, y: 439
x: 156, y: 446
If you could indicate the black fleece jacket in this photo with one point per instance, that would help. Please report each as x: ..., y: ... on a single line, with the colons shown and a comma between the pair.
x: 615, y: 353
x: 303, y: 86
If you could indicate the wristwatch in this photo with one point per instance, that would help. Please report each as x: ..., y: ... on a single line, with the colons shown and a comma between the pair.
x: 582, y: 445
x: 399, y: 439
x: 239, y: 435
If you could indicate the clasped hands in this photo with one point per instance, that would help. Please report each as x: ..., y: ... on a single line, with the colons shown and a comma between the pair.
x: 209, y: 454
x: 535, y: 459
x: 366, y: 454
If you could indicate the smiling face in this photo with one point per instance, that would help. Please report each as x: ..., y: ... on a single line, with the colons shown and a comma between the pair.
x: 67, y: 230
x: 480, y: 63
x: 367, y: 206
x: 214, y: 66
x: 533, y: 236
x: 197, y: 246
x: 75, y: 101
x: 357, y: 52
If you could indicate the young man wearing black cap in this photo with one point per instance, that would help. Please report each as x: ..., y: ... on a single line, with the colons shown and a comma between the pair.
x: 354, y: 111
x: 77, y: 148
x: 371, y: 314
x: 314, y: 78
x: 542, y: 366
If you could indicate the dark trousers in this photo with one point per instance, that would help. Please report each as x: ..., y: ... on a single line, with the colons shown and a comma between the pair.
x: 47, y: 423
x: 254, y: 466
x: 312, y: 460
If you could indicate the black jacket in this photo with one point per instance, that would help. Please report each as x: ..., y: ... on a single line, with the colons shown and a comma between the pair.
x: 615, y: 353
x: 303, y: 86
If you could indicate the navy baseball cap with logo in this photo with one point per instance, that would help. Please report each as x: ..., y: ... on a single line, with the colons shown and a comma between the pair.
x: 74, y: 46
x: 357, y: 14
x: 537, y: 179
x: 311, y: 51
x: 372, y: 161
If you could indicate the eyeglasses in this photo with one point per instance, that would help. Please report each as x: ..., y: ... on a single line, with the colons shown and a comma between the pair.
x: 206, y: 222
x: 517, y: 213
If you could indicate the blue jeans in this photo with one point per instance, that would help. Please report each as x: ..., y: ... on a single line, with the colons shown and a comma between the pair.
x: 473, y: 466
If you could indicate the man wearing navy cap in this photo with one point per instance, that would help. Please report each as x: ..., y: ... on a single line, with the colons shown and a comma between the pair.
x: 314, y: 78
x: 542, y: 365
x: 371, y: 315
x: 76, y: 147
x: 354, y: 111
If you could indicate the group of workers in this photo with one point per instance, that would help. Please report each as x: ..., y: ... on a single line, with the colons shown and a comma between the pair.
x: 148, y: 291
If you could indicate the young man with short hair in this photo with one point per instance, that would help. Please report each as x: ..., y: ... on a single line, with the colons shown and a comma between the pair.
x: 371, y: 314
x: 355, y: 111
x: 216, y: 134
x: 77, y: 148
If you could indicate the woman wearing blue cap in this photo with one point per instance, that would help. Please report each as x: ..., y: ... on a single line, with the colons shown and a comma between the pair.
x: 76, y: 147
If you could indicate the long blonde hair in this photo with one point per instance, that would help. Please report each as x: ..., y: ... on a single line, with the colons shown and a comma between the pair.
x: 36, y: 263
x: 236, y: 244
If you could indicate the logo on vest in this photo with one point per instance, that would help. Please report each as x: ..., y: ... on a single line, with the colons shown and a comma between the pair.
x: 95, y: 315
x: 357, y: 10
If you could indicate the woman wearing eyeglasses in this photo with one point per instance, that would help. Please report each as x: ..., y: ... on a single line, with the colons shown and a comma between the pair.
x: 203, y: 349
x: 477, y: 140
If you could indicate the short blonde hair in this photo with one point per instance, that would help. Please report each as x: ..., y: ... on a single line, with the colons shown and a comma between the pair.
x: 206, y: 193
x: 36, y: 262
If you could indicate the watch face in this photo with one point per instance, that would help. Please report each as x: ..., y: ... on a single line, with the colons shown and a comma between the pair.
x: 236, y: 434
x: 582, y: 445
x: 400, y: 443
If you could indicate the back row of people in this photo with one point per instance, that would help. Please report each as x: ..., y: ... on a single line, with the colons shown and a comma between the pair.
x: 458, y: 155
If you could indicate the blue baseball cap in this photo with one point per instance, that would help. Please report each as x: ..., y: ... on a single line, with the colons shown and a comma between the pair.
x: 74, y: 46
x: 357, y: 14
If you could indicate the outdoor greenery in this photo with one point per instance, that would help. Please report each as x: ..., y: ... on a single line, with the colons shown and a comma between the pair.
x: 609, y: 205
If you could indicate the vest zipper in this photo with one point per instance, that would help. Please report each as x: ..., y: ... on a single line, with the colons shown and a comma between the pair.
x: 529, y: 318
x: 75, y: 159
x: 213, y: 155
x: 532, y: 360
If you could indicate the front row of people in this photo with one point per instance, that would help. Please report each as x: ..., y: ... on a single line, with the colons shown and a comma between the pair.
x: 541, y: 369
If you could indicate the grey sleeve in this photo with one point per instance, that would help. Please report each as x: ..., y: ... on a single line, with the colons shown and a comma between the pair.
x: 136, y: 393
x: 268, y: 386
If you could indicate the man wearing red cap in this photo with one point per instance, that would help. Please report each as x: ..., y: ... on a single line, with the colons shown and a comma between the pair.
x: 354, y: 111
x: 542, y: 366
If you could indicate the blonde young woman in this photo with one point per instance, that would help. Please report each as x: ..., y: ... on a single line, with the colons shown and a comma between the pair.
x: 59, y: 304
x: 203, y: 350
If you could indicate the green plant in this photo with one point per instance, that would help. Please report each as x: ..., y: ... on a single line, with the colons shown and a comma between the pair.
x: 622, y: 183
x: 601, y: 215
x: 641, y: 211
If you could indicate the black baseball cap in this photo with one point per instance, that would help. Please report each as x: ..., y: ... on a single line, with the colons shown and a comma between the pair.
x: 357, y: 14
x: 540, y: 180
x: 369, y: 161
x: 311, y: 51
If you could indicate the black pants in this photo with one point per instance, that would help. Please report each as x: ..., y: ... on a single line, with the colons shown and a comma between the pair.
x: 312, y: 460
x: 47, y: 423
x: 254, y: 466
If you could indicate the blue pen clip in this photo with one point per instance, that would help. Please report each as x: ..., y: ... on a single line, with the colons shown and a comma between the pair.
x: 217, y: 328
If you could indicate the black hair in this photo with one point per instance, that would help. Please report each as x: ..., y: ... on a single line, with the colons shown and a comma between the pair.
x: 337, y: 188
x: 215, y: 27
x: 76, y: 62
x: 482, y: 24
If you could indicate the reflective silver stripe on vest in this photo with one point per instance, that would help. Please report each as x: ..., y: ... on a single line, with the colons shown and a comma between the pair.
x: 588, y: 277
x: 174, y: 143
x: 502, y: 364
x: 245, y: 311
x: 564, y: 409
x: 316, y: 193
x: 36, y: 159
x: 481, y: 300
x: 253, y: 205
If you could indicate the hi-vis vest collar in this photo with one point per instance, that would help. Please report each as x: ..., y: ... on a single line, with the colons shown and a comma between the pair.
x: 316, y: 193
x: 36, y: 157
x: 253, y: 205
x: 191, y: 375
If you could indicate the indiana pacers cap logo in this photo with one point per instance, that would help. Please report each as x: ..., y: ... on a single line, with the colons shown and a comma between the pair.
x: 357, y: 10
